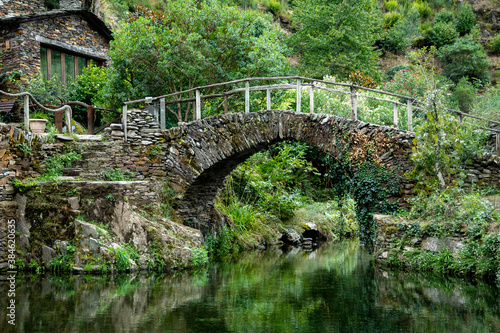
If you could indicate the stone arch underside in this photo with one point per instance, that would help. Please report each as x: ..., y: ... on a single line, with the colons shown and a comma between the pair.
x: 202, y: 153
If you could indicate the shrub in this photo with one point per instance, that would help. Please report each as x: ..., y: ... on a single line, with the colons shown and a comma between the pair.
x: 464, y: 58
x: 390, y: 73
x: 391, y: 18
x: 442, y: 34
x: 446, y: 16
x: 464, y: 94
x: 399, y: 37
x: 423, y: 8
x: 390, y: 5
x: 358, y: 78
x: 494, y: 44
x: 466, y: 19
x: 274, y: 7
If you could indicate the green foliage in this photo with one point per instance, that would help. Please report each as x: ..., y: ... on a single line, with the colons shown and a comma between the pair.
x: 391, y: 72
x: 466, y: 19
x: 56, y: 163
x: 336, y: 37
x: 390, y: 5
x: 445, y: 16
x: 223, y: 243
x: 335, y: 218
x: 407, y: 82
x: 274, y: 7
x: 464, y: 58
x: 47, y: 91
x: 399, y: 37
x: 488, y: 105
x: 442, y: 33
x: 115, y: 174
x: 391, y: 18
x: 199, y: 257
x: 25, y: 148
x: 63, y: 263
x: 464, y: 94
x: 189, y: 45
x: 443, y: 145
x: 122, y: 262
x: 423, y: 8
x: 452, y: 205
x: 494, y: 44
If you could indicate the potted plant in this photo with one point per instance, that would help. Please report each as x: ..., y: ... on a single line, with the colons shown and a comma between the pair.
x: 38, y: 125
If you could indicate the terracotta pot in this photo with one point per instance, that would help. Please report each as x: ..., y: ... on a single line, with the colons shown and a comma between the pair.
x: 37, y: 125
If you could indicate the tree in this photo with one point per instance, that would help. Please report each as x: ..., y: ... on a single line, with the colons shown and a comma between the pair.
x: 443, y: 144
x: 465, y: 57
x: 336, y: 37
x: 191, y: 44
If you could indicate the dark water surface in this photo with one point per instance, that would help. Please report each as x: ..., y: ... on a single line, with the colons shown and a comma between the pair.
x: 333, y: 289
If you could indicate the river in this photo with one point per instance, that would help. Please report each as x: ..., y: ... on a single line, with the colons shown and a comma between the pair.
x: 335, y: 288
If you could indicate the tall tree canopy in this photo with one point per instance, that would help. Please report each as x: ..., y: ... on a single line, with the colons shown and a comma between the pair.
x: 191, y: 44
x: 336, y: 37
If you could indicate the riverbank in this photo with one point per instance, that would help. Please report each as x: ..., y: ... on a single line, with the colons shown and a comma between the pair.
x: 464, y: 241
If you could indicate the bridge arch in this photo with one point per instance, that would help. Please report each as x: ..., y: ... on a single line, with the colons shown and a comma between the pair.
x: 203, y: 153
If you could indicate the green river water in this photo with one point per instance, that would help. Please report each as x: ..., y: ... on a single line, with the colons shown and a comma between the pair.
x: 335, y: 288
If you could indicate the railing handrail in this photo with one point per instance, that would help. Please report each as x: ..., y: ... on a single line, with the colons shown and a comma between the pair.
x: 291, y: 86
x: 27, y: 97
x: 298, y: 86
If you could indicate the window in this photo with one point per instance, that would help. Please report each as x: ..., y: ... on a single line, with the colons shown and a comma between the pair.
x: 64, y: 65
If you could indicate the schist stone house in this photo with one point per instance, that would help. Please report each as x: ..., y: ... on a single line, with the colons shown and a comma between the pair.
x: 53, y: 37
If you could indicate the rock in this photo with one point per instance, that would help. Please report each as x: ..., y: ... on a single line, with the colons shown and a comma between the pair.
x: 64, y: 137
x: 440, y: 244
x: 291, y: 237
x: 74, y: 202
x: 146, y: 142
x: 85, y: 230
x: 116, y: 126
x: 61, y: 246
x: 78, y: 270
x: 117, y: 134
x: 47, y: 255
x: 310, y: 230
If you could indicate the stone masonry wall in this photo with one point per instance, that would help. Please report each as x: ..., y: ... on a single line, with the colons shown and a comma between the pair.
x: 142, y: 129
x: 24, y: 53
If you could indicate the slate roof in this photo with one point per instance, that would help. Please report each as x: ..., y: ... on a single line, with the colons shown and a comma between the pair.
x: 90, y: 17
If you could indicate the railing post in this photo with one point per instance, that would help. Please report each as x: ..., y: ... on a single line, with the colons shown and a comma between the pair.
x: 162, y: 113
x: 311, y: 98
x: 27, y: 113
x: 247, y: 96
x: 497, y: 134
x: 198, y: 104
x: 354, y: 104
x: 90, y: 119
x: 460, y: 117
x: 124, y: 122
x: 156, y: 112
x: 226, y: 104
x: 395, y: 115
x: 268, y: 98
x: 299, y: 95
x: 58, y: 121
x: 69, y: 125
x: 410, y: 115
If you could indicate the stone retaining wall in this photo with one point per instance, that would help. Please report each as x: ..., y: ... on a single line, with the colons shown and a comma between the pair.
x: 142, y: 129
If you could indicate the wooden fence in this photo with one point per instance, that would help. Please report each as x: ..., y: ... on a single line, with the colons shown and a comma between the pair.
x: 27, y: 96
x: 300, y: 82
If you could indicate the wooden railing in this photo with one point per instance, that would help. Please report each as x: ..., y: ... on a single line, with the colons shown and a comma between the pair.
x: 27, y: 96
x: 300, y: 82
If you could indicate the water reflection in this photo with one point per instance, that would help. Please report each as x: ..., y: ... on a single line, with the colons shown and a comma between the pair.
x: 333, y: 289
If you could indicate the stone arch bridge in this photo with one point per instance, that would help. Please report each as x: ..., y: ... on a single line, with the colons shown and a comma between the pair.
x: 202, y: 153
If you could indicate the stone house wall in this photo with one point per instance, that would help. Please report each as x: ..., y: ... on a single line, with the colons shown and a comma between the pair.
x: 72, y: 33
